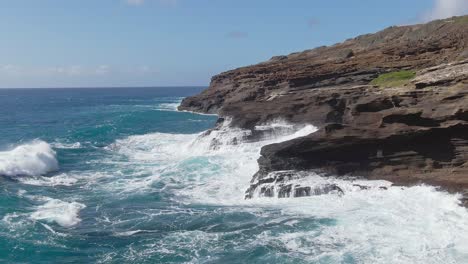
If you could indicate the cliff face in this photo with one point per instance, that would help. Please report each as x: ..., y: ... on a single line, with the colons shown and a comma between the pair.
x: 407, y: 130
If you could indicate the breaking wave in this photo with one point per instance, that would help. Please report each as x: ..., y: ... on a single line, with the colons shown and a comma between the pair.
x: 214, y: 166
x: 124, y: 194
x: 368, y: 221
x: 32, y: 159
x: 56, y: 211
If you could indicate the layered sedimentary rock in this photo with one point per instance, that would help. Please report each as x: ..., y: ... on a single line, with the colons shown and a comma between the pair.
x: 413, y: 132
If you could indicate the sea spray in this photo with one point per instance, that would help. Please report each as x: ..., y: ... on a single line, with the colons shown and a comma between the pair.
x: 62, y: 179
x: 31, y: 159
x: 227, y: 152
x: 57, y: 211
x: 161, y: 191
x: 357, y: 224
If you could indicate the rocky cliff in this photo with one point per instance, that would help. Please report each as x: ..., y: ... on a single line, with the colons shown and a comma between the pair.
x: 391, y: 105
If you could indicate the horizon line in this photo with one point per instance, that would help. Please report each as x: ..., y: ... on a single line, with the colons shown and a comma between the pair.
x: 108, y: 87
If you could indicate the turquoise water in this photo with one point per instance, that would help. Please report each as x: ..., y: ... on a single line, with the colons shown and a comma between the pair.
x: 119, y: 176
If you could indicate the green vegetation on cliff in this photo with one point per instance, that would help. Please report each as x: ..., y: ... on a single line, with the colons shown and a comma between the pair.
x: 393, y: 79
x: 462, y: 19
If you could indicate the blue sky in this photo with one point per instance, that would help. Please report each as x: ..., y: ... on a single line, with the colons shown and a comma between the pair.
x: 91, y: 43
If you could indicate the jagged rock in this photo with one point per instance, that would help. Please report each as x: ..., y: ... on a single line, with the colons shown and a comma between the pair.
x: 445, y: 74
x: 412, y: 133
x: 283, y: 184
x: 286, y: 86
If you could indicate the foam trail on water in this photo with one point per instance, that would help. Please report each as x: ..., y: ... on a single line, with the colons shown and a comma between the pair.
x: 215, y: 166
x: 152, y: 147
x: 172, y: 106
x: 399, y: 225
x: 370, y: 222
x: 32, y: 159
x: 62, y: 179
x: 62, y: 145
x: 60, y: 212
x: 167, y: 106
x: 232, y: 160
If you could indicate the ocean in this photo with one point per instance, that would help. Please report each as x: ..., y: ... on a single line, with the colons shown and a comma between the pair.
x: 118, y: 175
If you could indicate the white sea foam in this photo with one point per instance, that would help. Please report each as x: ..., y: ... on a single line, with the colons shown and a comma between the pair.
x: 152, y: 147
x: 398, y: 225
x: 63, y: 145
x: 132, y: 232
x: 62, y: 179
x: 372, y: 221
x: 172, y: 106
x: 230, y: 164
x: 63, y: 213
x: 168, y: 106
x: 14, y: 220
x: 195, y: 158
x: 196, y: 113
x: 32, y: 159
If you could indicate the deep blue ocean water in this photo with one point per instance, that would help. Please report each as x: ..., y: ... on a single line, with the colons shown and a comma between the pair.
x: 117, y: 175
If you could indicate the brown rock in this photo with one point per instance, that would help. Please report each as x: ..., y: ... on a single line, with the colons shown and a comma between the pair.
x: 410, y: 134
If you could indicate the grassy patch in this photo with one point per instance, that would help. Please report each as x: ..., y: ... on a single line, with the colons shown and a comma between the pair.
x: 393, y: 79
x: 462, y: 19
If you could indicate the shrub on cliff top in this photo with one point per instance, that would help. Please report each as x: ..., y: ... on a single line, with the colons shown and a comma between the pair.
x: 462, y: 19
x: 393, y: 79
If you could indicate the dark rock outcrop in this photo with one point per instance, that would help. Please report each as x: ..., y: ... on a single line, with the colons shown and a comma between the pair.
x: 412, y: 133
x: 284, y: 184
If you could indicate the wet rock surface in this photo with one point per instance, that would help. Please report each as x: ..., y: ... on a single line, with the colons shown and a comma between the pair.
x: 416, y: 132
x: 287, y: 184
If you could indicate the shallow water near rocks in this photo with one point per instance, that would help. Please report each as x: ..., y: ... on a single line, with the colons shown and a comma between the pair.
x: 118, y: 175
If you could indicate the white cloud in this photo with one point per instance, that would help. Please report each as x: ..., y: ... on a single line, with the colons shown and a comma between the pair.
x: 149, y: 70
x: 140, y: 70
x: 447, y: 8
x: 16, y: 71
x: 10, y: 69
x: 74, y: 70
x: 102, y: 70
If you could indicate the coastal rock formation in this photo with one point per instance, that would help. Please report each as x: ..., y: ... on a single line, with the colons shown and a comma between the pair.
x: 285, y: 184
x: 391, y: 105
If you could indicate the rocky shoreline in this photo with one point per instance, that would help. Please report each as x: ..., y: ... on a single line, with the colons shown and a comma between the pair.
x: 391, y: 106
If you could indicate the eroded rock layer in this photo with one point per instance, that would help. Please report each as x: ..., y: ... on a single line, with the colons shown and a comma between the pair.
x: 412, y: 132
